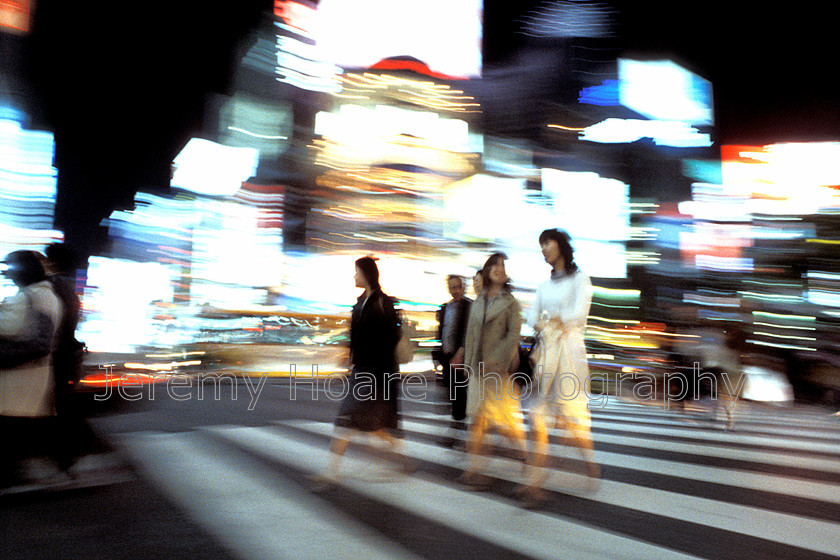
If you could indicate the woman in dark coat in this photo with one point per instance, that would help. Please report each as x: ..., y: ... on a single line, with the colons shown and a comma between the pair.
x: 371, y: 402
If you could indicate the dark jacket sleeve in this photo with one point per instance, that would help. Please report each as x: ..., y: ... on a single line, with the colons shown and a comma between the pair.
x: 462, y: 323
x: 439, y: 315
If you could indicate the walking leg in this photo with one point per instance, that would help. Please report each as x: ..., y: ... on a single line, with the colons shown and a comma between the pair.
x: 338, y: 447
x: 582, y: 438
x: 471, y: 476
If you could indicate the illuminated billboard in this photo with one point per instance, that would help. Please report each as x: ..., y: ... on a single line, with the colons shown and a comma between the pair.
x: 213, y: 169
x: 600, y: 230
x: 664, y: 90
x: 787, y: 179
x: 445, y: 35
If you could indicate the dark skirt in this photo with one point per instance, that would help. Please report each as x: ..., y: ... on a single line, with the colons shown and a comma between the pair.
x: 371, y: 402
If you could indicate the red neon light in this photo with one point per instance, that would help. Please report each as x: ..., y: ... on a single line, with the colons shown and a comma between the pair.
x: 295, y: 14
x: 15, y: 15
x: 732, y: 153
x: 414, y: 66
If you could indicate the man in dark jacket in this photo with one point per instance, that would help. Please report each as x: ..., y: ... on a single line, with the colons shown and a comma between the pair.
x: 452, y: 329
x: 75, y: 433
x: 60, y: 273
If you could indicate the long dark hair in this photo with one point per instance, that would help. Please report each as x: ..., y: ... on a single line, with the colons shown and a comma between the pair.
x: 564, y: 243
x: 485, y: 271
x: 370, y: 271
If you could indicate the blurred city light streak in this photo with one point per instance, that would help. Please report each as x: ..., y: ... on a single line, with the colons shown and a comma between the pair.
x: 300, y: 61
x: 27, y: 176
x: 823, y: 288
x: 120, y: 379
x: 389, y: 170
x: 383, y: 123
x: 642, y: 258
x: 782, y: 346
x: 381, y: 88
x: 119, y: 303
x: 162, y: 366
x: 246, y: 121
x: 358, y: 156
x: 784, y: 179
x: 774, y: 205
x: 381, y: 180
x: 569, y: 18
x: 616, y: 294
x: 606, y: 94
x: 27, y: 189
x: 567, y: 128
x: 190, y: 249
x: 663, y: 133
x: 256, y: 135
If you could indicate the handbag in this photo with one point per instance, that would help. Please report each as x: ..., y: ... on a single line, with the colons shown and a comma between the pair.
x: 403, y: 353
x: 528, y: 357
x: 15, y: 352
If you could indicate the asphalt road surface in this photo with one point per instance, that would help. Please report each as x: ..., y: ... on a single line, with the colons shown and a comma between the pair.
x: 226, y: 475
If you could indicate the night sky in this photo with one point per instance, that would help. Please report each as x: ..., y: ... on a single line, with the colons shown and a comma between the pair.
x: 772, y: 66
x: 124, y: 85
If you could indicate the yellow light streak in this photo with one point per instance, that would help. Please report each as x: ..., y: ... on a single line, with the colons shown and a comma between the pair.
x: 566, y: 128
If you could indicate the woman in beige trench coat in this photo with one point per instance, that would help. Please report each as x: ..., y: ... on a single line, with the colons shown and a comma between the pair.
x: 492, y: 341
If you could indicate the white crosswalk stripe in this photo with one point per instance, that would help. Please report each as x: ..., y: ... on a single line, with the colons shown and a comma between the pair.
x: 534, y: 534
x: 761, y: 524
x: 670, y: 489
x: 250, y: 515
x: 793, y: 486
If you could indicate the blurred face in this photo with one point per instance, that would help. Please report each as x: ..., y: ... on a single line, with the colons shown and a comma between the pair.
x: 361, y: 281
x: 477, y: 283
x: 456, y: 288
x: 498, y: 276
x: 11, y: 272
x: 551, y: 253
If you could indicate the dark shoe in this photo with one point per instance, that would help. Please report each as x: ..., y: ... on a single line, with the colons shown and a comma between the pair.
x: 407, y: 465
x: 320, y: 483
x: 531, y: 497
x: 475, y: 481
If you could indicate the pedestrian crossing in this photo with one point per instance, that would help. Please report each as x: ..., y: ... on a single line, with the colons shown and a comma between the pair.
x: 672, y: 486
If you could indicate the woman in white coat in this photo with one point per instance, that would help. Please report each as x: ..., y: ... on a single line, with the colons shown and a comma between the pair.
x: 562, y: 373
x: 28, y: 324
